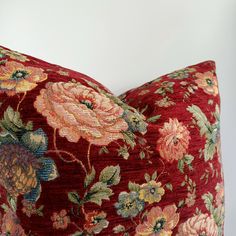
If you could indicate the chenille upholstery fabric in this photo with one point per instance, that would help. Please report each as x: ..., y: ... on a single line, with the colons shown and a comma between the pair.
x: 77, y: 160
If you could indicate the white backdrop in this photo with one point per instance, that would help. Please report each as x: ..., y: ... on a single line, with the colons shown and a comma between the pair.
x: 125, y: 43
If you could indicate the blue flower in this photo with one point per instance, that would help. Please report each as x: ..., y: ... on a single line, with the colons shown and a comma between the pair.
x: 129, y: 205
x: 23, y: 165
x: 135, y: 121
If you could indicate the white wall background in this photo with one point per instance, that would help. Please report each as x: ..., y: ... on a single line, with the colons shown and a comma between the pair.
x: 125, y: 43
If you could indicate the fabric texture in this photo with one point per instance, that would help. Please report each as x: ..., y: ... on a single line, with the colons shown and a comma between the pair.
x: 77, y: 160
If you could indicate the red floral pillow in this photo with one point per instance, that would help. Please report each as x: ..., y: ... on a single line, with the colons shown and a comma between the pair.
x: 76, y: 160
x: 183, y: 112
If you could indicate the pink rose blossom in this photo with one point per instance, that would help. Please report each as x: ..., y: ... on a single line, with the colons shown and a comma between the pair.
x: 202, y: 224
x: 79, y: 111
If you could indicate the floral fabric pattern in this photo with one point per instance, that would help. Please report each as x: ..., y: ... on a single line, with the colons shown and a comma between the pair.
x: 75, y: 160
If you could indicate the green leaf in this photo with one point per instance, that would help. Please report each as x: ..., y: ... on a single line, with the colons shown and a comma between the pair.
x: 74, y: 197
x: 12, y: 123
x: 41, y: 208
x: 147, y: 177
x: 123, y: 151
x: 89, y: 177
x: 39, y: 211
x: 142, y: 155
x: 208, y: 199
x: 129, y: 138
x: 215, y: 132
x: 98, y: 192
x: 103, y: 150
x: 181, y: 165
x: 190, y: 167
x: 181, y: 203
x: 78, y: 233
x: 118, y: 229
x: 5, y: 207
x: 218, y: 216
x: 154, y: 175
x: 169, y: 186
x: 6, y: 137
x: 110, y: 175
x: 154, y: 118
x: 133, y: 187
x: 188, y: 159
x: 202, y: 121
x: 217, y: 113
x: 143, y: 109
x: 12, y: 202
x: 2, y: 55
x: 198, y: 211
x: 209, y: 150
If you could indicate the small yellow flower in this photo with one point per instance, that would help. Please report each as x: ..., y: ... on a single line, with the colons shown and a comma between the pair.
x: 151, y: 192
x: 17, y: 78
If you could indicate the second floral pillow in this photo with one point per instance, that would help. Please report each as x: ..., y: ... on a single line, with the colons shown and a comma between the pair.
x: 183, y: 112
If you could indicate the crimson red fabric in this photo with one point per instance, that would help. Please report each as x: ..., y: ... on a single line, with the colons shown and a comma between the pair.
x: 77, y: 160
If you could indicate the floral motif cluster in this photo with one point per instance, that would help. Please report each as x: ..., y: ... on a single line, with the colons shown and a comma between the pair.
x: 78, y: 111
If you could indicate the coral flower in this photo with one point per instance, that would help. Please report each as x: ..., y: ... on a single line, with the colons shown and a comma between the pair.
x: 159, y: 222
x: 174, y: 140
x: 208, y: 82
x: 29, y: 208
x: 79, y: 111
x: 199, y: 225
x: 17, y: 78
x: 95, y: 222
x: 60, y: 220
